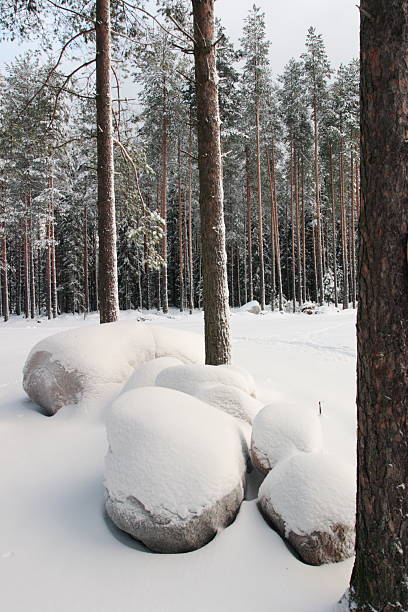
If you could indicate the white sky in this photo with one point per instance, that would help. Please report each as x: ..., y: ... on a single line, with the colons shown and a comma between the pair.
x: 287, y: 22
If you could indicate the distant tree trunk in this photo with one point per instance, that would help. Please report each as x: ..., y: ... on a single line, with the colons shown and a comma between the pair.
x: 276, y: 230
x: 343, y: 225
x: 215, y: 283
x: 260, y: 211
x: 4, y: 285
x: 379, y: 580
x: 333, y: 219
x: 298, y: 242
x: 318, y: 241
x: 190, y: 221
x: 86, y: 261
x: 273, y: 244
x: 165, y: 138
x: 292, y: 222
x: 48, y: 259
x: 249, y: 222
x: 180, y: 227
x: 352, y: 235
x: 302, y: 180
x: 108, y: 274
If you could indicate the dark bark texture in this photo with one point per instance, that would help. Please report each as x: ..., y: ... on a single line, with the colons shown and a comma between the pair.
x: 108, y: 276
x: 379, y: 581
x: 214, y: 258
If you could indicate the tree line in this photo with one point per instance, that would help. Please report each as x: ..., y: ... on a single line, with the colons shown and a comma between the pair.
x: 290, y: 166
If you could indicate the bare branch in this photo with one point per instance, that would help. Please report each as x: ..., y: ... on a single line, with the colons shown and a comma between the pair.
x: 81, y: 139
x: 129, y: 159
x: 68, y: 10
x: 53, y: 69
x: 62, y: 88
x: 180, y: 28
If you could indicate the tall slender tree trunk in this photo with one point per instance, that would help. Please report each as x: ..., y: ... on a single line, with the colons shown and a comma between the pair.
x: 249, y: 222
x: 260, y: 211
x: 318, y: 241
x: 190, y: 220
x: 303, y: 232
x: 48, y: 259
x: 352, y: 235
x: 165, y: 138
x: 272, y: 239
x: 86, y: 261
x: 4, y: 285
x: 54, y: 294
x: 215, y: 283
x: 292, y: 222
x: 108, y: 274
x: 180, y: 227
x: 333, y: 220
x: 379, y: 580
x: 276, y: 230
x: 298, y: 241
x: 343, y: 221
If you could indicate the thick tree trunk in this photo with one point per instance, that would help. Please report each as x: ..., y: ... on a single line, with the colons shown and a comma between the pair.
x: 379, y: 579
x: 249, y: 222
x: 108, y: 275
x: 215, y: 284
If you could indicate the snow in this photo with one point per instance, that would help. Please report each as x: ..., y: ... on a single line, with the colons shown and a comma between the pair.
x: 189, y: 378
x: 311, y: 492
x: 280, y: 431
x: 98, y: 359
x: 146, y: 374
x: 58, y: 552
x: 252, y: 307
x: 172, y: 452
x: 230, y: 399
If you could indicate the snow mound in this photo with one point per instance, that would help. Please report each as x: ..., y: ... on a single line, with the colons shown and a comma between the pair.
x: 310, y: 499
x: 86, y: 363
x: 146, y: 374
x: 189, y: 378
x: 175, y: 469
x: 253, y: 307
x: 230, y: 399
x: 280, y: 431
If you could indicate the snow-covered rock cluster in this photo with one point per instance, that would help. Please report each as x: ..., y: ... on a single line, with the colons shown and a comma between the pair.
x: 80, y: 364
x: 181, y: 435
x: 308, y: 496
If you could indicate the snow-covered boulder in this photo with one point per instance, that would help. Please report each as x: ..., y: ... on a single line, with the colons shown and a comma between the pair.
x: 190, y: 378
x: 230, y: 399
x: 175, y: 469
x: 281, y: 431
x: 310, y: 500
x: 145, y: 375
x: 87, y: 363
x: 253, y: 307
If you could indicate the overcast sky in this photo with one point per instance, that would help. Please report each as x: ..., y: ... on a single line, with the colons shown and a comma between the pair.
x: 287, y: 22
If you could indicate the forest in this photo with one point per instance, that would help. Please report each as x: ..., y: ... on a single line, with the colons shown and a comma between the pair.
x: 290, y: 150
x: 204, y: 309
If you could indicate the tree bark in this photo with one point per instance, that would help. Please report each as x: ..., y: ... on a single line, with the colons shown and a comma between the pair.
x: 318, y: 241
x: 180, y: 227
x: 260, y: 211
x: 379, y: 580
x: 4, y: 285
x: 214, y: 259
x: 333, y: 220
x: 249, y: 222
x: 190, y: 222
x: 163, y: 194
x: 108, y: 275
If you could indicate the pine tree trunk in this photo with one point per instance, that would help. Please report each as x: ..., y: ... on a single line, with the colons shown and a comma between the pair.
x: 215, y: 284
x: 292, y: 223
x: 352, y: 235
x: 190, y: 221
x: 85, y: 261
x: 343, y: 225
x: 48, y: 260
x: 249, y: 222
x: 318, y: 241
x: 272, y: 239
x: 180, y: 228
x: 54, y: 295
x: 276, y: 230
x: 4, y: 285
x: 298, y: 242
x: 108, y: 274
x: 260, y: 212
x: 379, y: 579
x: 303, y: 233
x: 333, y: 219
x: 165, y: 138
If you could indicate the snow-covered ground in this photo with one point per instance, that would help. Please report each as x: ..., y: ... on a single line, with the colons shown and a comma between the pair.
x: 59, y: 553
